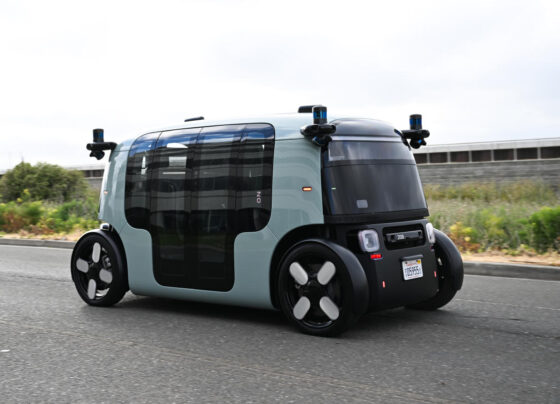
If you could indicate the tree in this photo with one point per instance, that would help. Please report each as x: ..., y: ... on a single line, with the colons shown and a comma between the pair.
x: 44, y: 181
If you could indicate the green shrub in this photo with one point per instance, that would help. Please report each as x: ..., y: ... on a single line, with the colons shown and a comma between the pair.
x: 45, y: 199
x: 38, y: 218
x: 11, y: 217
x: 32, y: 212
x: 45, y: 182
x: 545, y: 225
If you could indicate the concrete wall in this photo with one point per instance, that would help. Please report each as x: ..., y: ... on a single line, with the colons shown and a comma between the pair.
x: 95, y: 182
x: 547, y: 171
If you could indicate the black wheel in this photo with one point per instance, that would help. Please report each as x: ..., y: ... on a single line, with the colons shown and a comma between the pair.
x: 98, y: 271
x: 314, y: 290
x: 447, y: 257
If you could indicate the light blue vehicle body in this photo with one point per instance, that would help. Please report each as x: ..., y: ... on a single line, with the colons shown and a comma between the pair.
x: 297, y: 164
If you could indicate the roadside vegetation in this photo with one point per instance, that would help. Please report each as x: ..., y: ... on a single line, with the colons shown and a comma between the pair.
x: 520, y: 218
x: 517, y: 219
x: 46, y: 201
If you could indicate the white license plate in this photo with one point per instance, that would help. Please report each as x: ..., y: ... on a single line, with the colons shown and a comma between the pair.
x: 412, y: 269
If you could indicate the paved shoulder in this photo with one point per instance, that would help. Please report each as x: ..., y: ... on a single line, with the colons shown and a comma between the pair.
x: 40, y: 262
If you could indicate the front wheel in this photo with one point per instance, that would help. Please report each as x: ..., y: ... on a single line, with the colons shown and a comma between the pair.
x: 314, y: 290
x: 98, y: 271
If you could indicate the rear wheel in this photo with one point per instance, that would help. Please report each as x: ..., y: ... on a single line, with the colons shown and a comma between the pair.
x: 98, y: 271
x: 447, y: 257
x: 314, y: 290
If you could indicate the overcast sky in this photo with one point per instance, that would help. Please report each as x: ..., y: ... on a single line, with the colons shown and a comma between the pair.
x: 476, y: 70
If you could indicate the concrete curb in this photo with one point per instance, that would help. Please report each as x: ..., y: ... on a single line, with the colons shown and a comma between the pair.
x: 471, y: 268
x: 512, y: 270
x: 37, y: 243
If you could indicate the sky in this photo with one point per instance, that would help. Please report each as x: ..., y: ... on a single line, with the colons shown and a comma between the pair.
x: 476, y: 70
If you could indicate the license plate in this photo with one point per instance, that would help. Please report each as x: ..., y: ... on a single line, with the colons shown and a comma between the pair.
x: 412, y: 269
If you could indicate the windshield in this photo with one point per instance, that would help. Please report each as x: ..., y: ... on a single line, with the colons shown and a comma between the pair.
x: 363, y: 152
x: 371, y: 177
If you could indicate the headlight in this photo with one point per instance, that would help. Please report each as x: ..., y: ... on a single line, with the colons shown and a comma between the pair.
x: 430, y: 233
x: 369, y: 240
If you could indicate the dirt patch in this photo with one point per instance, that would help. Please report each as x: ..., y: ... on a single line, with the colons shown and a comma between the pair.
x: 30, y: 236
x: 550, y: 259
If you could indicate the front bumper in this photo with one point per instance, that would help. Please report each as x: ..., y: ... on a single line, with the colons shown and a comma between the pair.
x: 387, y: 285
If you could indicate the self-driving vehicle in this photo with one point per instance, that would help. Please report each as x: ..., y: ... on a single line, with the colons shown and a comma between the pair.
x: 322, y: 219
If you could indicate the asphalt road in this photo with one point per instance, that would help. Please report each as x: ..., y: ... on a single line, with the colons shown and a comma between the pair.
x: 498, y: 341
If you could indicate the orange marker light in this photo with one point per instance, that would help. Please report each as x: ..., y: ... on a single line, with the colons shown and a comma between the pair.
x: 306, y: 189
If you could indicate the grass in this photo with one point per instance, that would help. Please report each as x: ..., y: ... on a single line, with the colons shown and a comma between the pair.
x: 513, y: 218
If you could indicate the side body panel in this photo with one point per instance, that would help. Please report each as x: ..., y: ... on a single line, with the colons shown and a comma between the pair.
x: 296, y: 165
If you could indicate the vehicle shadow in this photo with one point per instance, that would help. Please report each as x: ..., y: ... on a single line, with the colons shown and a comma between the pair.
x: 201, y: 310
x: 369, y: 324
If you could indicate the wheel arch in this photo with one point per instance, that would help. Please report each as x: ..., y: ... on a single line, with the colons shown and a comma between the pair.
x: 354, y: 267
x: 454, y: 262
x: 285, y: 244
x: 112, y: 236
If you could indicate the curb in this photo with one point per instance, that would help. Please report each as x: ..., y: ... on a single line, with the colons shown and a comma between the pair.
x: 512, y: 270
x: 471, y: 268
x: 37, y: 243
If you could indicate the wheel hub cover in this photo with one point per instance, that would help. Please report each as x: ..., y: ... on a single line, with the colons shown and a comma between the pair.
x: 314, y: 291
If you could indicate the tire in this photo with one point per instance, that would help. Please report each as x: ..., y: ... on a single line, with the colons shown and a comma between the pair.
x: 450, y: 270
x: 314, y: 272
x: 98, y: 270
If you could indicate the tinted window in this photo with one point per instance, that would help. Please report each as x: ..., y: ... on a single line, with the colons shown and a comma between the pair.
x: 209, y: 185
x: 213, y: 225
x: 170, y: 204
x: 137, y: 197
x: 371, y: 186
x: 363, y: 152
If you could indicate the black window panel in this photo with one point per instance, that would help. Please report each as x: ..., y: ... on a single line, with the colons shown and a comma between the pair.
x: 481, y: 155
x: 550, y: 152
x: 503, y: 154
x: 527, y: 153
x: 383, y: 188
x: 137, y: 190
x: 421, y: 158
x: 205, y: 187
x: 438, y: 157
x: 460, y: 157
x: 387, y: 182
x: 258, y: 132
x: 368, y: 152
x: 171, y: 178
x: 212, y: 224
